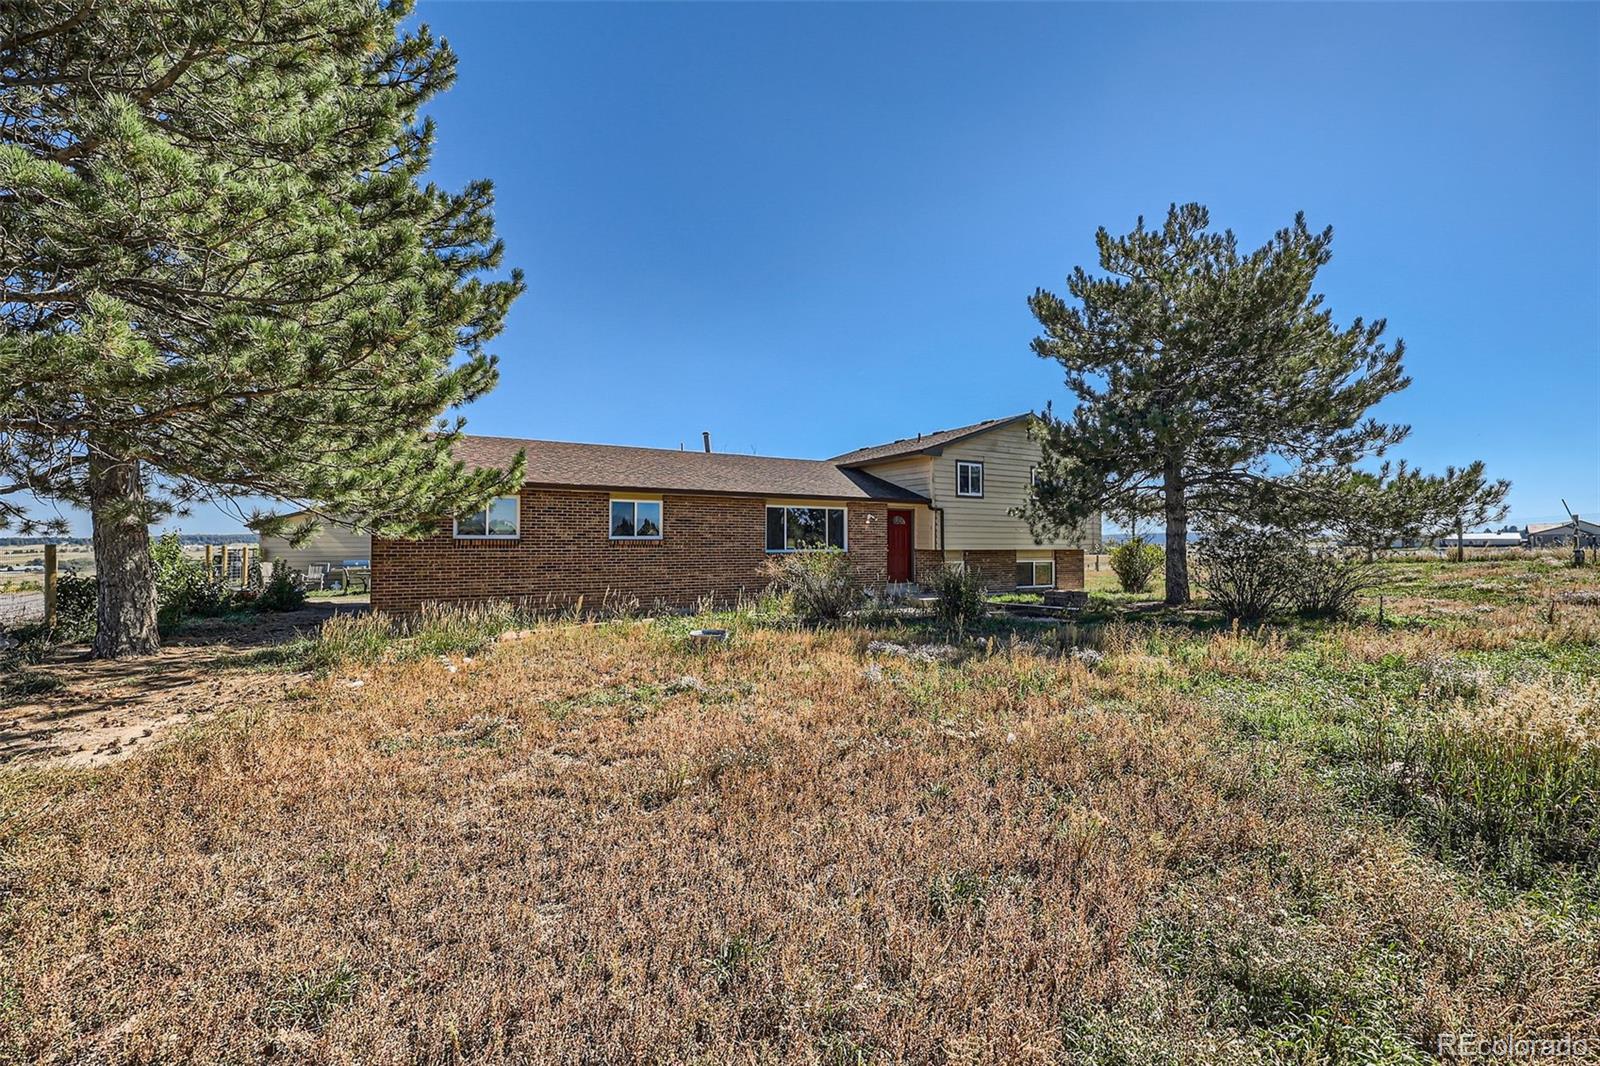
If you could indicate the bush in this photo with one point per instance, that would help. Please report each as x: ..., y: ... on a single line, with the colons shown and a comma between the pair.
x: 1328, y: 584
x: 1246, y: 573
x: 1135, y: 562
x: 958, y: 592
x: 285, y: 590
x: 76, y: 599
x: 183, y: 587
x: 821, y: 586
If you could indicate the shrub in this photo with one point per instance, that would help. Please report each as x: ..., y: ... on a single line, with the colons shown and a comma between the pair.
x: 821, y: 586
x: 1246, y: 573
x: 76, y: 598
x: 1135, y: 562
x: 1328, y: 584
x: 285, y: 590
x: 958, y: 596
x: 183, y: 587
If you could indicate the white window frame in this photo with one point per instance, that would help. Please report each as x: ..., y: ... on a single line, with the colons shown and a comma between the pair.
x: 1034, y: 565
x: 786, y: 550
x: 455, y: 523
x: 662, y: 525
x: 1033, y: 476
x: 970, y: 495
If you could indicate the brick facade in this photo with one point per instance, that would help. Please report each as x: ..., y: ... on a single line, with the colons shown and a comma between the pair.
x: 925, y: 561
x: 997, y: 568
x: 1070, y: 569
x: 712, y: 546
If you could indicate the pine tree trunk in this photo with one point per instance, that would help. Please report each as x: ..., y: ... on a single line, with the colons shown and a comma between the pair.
x: 1177, y: 509
x: 125, y: 610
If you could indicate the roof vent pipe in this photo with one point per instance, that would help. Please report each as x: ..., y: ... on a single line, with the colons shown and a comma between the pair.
x: 706, y: 436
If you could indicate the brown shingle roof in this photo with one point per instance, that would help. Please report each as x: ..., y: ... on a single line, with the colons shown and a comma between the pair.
x: 610, y: 466
x: 929, y: 443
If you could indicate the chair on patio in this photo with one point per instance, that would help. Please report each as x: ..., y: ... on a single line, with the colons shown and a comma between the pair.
x: 316, y: 575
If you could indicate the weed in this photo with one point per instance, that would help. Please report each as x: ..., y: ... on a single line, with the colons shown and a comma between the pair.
x: 308, y: 1001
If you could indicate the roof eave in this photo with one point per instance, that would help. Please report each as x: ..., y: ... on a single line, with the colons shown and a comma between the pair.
x: 777, y: 494
x: 933, y: 449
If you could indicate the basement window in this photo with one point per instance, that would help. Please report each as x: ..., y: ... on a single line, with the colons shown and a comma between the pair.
x: 1036, y: 574
x: 500, y: 520
x: 803, y: 529
x: 969, y: 479
x: 635, y: 519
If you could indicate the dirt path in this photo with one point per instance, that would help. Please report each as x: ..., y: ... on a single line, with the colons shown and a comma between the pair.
x: 106, y: 711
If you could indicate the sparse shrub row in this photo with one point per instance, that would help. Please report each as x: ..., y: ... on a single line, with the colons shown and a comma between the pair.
x: 184, y: 589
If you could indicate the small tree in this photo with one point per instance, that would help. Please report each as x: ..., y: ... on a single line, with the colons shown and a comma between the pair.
x: 1202, y: 374
x: 1372, y: 510
x: 1465, y: 498
x: 221, y: 273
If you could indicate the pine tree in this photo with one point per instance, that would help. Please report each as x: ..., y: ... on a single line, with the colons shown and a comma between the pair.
x: 1202, y: 376
x: 222, y: 274
x: 1371, y: 510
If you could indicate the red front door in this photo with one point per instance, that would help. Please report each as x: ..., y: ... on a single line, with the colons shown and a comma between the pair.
x: 900, y: 545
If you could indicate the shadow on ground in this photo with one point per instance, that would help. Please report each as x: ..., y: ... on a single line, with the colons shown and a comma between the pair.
x: 100, y: 711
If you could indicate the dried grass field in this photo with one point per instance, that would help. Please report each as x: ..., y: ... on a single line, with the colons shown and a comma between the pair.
x: 1145, y: 838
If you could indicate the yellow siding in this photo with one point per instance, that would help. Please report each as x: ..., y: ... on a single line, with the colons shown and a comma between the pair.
x: 332, y: 544
x: 972, y: 524
x: 1008, y: 454
x: 914, y: 473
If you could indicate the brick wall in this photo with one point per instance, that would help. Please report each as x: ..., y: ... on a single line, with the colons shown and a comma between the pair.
x: 1069, y: 568
x: 925, y: 561
x: 712, y: 546
x: 998, y: 568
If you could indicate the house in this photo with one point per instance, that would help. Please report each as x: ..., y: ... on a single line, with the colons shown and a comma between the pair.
x: 332, y: 545
x: 1560, y: 535
x: 603, y: 522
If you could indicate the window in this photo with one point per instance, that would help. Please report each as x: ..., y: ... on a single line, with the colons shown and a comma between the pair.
x: 500, y: 520
x: 800, y: 529
x: 969, y: 479
x: 1033, y: 475
x: 1036, y: 573
x: 635, y: 519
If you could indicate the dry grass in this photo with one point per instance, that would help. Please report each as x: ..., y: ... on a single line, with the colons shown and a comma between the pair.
x: 1517, y: 776
x: 600, y: 844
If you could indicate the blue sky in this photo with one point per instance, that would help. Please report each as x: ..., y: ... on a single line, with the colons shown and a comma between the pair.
x: 807, y: 228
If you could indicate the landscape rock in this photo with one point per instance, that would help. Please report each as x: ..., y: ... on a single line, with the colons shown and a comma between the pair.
x: 686, y: 683
x: 922, y: 653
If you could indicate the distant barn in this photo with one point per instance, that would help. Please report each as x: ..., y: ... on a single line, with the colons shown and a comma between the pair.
x: 1559, y: 535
